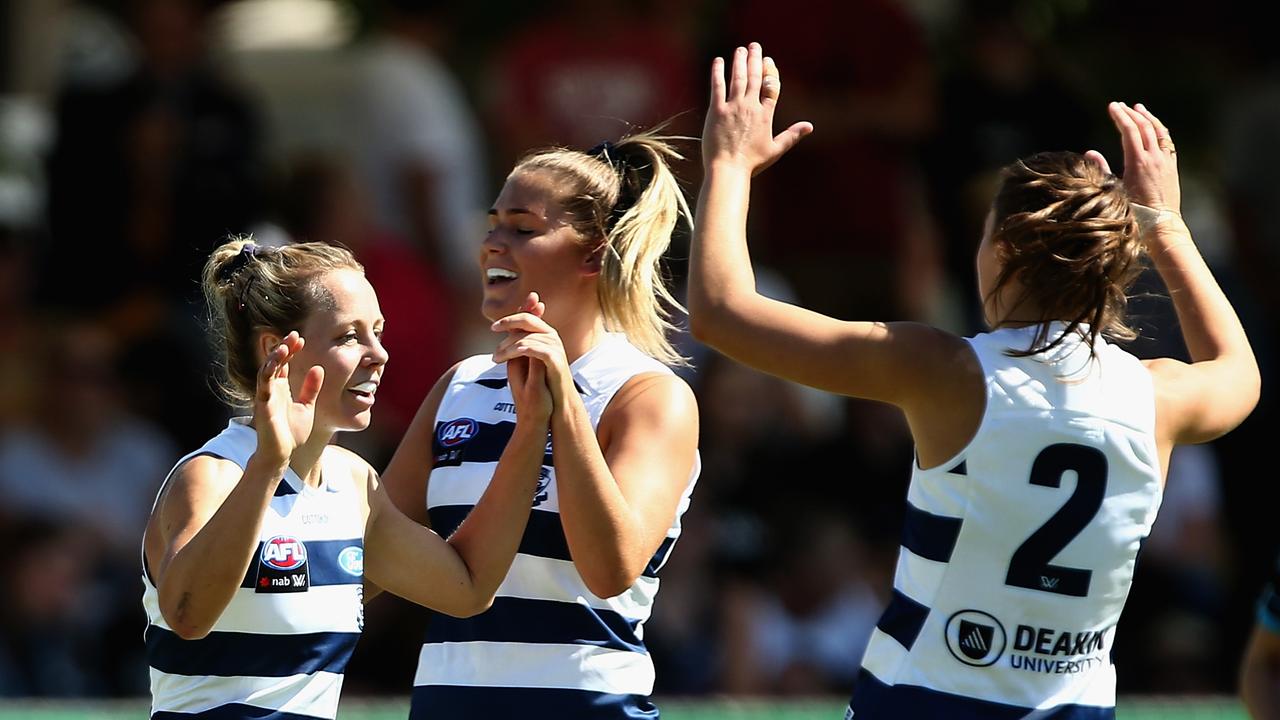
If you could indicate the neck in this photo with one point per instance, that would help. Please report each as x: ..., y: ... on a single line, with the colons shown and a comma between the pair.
x: 305, y: 460
x: 579, y: 333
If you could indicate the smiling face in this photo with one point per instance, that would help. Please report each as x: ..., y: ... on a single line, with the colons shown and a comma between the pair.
x: 532, y: 247
x: 343, y: 336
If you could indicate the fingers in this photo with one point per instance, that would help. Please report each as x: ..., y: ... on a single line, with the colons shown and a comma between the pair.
x: 522, y: 321
x: 788, y: 138
x: 1130, y: 135
x: 1149, y: 140
x: 738, y: 82
x: 1098, y: 159
x: 770, y: 83
x: 1161, y: 130
x: 755, y: 66
x: 717, y: 82
x: 311, y: 385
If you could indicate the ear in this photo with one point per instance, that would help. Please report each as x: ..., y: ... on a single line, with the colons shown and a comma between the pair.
x: 593, y: 260
x: 267, y: 341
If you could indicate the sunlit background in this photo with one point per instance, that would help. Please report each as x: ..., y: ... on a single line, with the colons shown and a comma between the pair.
x: 136, y: 134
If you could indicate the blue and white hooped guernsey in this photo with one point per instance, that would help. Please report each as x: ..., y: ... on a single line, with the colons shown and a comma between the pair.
x: 1017, y: 554
x: 548, y: 648
x: 279, y: 649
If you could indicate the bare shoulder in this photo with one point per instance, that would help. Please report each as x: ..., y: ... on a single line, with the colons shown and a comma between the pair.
x: 651, y: 402
x: 204, y: 475
x: 666, y: 393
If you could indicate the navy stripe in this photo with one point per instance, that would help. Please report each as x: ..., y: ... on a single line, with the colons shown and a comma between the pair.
x: 960, y: 469
x: 659, y: 558
x: 500, y: 383
x: 485, y: 445
x: 539, y: 621
x: 234, y: 711
x: 450, y: 702
x: 227, y: 654
x: 322, y: 563
x: 543, y: 535
x: 928, y: 535
x: 874, y: 700
x: 903, y: 619
x: 283, y: 489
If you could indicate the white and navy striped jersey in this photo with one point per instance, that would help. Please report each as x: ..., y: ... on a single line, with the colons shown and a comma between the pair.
x: 279, y: 649
x: 547, y: 647
x: 1018, y: 553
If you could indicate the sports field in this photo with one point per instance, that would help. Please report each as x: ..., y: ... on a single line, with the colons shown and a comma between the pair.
x: 1169, y: 708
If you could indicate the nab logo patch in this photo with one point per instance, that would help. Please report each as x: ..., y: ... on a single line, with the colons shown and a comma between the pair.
x: 457, y: 432
x: 351, y: 560
x: 284, y: 552
x: 975, y: 638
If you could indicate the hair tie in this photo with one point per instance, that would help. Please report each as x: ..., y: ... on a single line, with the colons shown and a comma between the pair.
x: 607, y: 151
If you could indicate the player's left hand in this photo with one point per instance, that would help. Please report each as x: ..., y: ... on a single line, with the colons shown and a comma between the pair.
x: 739, y: 124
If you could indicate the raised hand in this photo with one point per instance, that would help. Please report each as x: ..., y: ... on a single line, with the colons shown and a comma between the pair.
x: 526, y: 374
x: 739, y: 124
x: 1150, y: 158
x: 282, y: 422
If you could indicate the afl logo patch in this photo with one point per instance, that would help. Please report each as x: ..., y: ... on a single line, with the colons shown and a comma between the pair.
x: 456, y: 432
x: 351, y: 560
x: 975, y: 638
x: 284, y: 552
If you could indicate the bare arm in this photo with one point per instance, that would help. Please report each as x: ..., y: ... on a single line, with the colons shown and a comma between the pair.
x: 461, y: 576
x: 405, y: 480
x: 1260, y: 675
x: 619, y: 485
x: 1219, y: 388
x: 211, y: 515
x: 878, y: 361
x: 619, y: 493
x: 209, y: 522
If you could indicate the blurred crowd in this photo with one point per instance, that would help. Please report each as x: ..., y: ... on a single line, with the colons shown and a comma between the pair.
x: 135, y: 135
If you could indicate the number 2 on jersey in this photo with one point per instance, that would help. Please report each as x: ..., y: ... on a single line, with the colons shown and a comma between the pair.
x: 1030, y: 566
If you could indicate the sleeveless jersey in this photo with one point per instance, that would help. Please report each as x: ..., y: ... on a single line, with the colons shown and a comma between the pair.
x: 547, y: 647
x: 280, y: 647
x: 1017, y: 554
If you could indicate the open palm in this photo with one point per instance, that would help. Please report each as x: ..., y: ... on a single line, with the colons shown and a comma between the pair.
x: 284, y: 423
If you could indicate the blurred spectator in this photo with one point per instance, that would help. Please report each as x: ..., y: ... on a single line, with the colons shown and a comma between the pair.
x: 320, y: 201
x: 844, y: 216
x: 147, y: 174
x: 46, y: 633
x: 1006, y: 96
x: 416, y: 144
x: 803, y: 630
x: 82, y: 459
x: 587, y: 70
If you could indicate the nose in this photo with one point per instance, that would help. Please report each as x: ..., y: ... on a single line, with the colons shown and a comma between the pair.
x: 378, y: 354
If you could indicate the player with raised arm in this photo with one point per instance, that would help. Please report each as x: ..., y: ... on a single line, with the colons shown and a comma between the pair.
x: 1041, y: 447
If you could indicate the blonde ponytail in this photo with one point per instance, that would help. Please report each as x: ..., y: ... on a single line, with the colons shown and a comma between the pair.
x: 626, y: 198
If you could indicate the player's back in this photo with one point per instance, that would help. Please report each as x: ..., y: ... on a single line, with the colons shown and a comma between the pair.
x: 1018, y: 553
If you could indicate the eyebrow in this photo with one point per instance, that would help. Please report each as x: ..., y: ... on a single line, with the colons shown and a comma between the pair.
x: 513, y: 211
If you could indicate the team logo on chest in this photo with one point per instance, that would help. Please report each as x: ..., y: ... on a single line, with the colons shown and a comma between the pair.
x: 282, y: 566
x: 975, y: 638
x: 456, y: 432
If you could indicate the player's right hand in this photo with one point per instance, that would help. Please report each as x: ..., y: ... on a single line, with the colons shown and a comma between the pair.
x: 527, y: 376
x: 282, y: 422
x: 739, y: 124
x: 1150, y: 158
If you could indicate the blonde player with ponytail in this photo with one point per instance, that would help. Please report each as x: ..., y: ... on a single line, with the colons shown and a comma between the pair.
x: 571, y: 278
